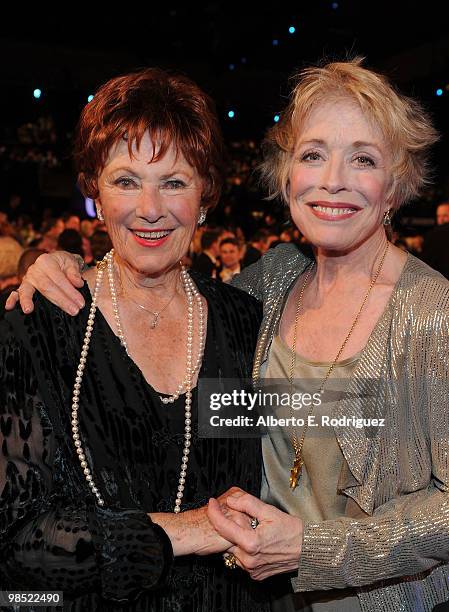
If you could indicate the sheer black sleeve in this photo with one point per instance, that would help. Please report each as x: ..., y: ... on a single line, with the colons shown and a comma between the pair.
x: 50, y: 539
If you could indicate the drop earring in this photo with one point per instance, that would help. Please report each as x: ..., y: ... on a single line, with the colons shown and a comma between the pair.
x: 202, y: 215
x: 100, y: 215
x: 387, y: 218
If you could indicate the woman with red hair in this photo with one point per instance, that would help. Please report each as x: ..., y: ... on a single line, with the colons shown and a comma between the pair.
x: 103, y: 478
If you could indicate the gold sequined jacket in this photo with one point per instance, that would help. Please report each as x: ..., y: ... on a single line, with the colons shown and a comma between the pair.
x: 393, y: 542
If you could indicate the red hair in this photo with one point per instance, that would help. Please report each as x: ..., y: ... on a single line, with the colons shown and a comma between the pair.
x: 171, y: 108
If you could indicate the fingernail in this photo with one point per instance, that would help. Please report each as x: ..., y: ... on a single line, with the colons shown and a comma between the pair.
x: 73, y: 310
x: 26, y: 309
x: 80, y: 303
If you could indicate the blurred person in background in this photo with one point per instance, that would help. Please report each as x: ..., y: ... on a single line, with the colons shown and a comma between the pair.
x: 100, y: 244
x: 208, y: 262
x: 27, y: 259
x: 72, y: 222
x: 230, y: 256
x: 86, y: 230
x: 442, y: 214
x: 70, y: 240
x: 51, y: 230
x: 435, y: 248
x: 10, y: 252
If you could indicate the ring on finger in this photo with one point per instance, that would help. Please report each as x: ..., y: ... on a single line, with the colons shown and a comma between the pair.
x: 230, y: 560
x: 254, y: 522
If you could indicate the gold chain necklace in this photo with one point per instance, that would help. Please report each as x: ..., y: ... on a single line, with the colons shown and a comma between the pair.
x: 298, y: 461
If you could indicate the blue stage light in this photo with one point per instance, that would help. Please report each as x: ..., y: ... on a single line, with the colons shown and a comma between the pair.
x: 89, y: 206
x: 37, y: 93
x: 90, y: 98
x: 275, y: 42
x: 231, y: 114
x: 276, y: 118
x: 335, y: 5
x: 291, y: 30
x: 231, y: 66
x: 439, y: 92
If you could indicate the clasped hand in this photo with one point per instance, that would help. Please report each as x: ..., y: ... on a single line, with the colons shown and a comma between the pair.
x: 274, y: 547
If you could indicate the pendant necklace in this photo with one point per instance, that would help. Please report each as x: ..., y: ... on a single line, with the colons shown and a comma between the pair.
x: 298, y: 461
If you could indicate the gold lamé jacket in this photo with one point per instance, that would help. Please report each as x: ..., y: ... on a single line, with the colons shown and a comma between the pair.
x: 393, y: 542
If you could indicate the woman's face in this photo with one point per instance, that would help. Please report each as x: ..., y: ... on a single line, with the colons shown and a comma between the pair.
x: 339, y: 178
x: 150, y: 209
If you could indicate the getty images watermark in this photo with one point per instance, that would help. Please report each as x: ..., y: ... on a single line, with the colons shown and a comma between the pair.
x: 232, y: 408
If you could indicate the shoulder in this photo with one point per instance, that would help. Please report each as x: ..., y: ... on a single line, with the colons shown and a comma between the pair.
x: 426, y: 287
x: 283, y: 256
x: 272, y: 272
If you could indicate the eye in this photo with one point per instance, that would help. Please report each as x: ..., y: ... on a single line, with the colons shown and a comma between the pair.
x: 125, y: 181
x: 311, y: 156
x: 365, y: 160
x: 174, y: 184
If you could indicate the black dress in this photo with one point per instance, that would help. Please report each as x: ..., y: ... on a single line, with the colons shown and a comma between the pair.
x: 53, y: 534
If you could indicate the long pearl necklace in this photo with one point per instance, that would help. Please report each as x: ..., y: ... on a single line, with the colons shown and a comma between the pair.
x: 186, y: 385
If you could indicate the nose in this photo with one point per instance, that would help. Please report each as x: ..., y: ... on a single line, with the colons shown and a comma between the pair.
x: 150, y: 205
x: 334, y: 176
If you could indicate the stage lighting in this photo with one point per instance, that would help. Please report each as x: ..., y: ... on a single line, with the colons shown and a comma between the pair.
x: 90, y: 98
x: 231, y: 114
x: 276, y: 118
x: 335, y: 5
x: 275, y: 42
x: 89, y: 206
x: 37, y: 93
x: 439, y: 92
x: 291, y: 30
x: 231, y: 66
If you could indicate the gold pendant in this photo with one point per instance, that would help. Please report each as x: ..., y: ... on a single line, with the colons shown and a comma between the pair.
x: 295, y: 472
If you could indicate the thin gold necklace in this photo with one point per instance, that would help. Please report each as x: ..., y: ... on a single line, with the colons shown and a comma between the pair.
x: 156, y: 313
x: 298, y: 461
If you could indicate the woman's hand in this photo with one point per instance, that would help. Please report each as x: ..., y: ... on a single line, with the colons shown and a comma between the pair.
x: 54, y: 275
x: 273, y: 547
x: 191, y: 532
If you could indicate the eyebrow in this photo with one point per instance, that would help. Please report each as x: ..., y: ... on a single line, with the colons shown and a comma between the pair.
x: 129, y: 170
x: 355, y: 145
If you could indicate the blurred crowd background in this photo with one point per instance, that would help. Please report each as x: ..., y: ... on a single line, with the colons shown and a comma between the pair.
x: 40, y: 219
x: 242, y: 54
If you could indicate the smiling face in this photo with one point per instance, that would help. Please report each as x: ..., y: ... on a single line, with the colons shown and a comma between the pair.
x: 339, y: 178
x: 150, y: 209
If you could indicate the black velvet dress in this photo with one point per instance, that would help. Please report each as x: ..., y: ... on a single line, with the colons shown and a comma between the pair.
x: 53, y: 536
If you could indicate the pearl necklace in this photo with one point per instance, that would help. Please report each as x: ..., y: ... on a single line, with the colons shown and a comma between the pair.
x: 192, y: 294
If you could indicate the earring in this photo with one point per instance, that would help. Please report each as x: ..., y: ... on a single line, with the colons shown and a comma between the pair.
x: 387, y: 218
x: 202, y: 215
x: 100, y: 215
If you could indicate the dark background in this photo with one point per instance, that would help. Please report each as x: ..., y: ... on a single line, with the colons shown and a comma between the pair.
x: 227, y: 47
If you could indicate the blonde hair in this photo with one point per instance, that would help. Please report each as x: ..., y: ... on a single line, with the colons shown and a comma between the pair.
x: 404, y: 123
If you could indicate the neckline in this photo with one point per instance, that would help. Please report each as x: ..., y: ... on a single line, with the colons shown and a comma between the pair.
x: 377, y: 327
x: 318, y: 364
x: 130, y: 361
